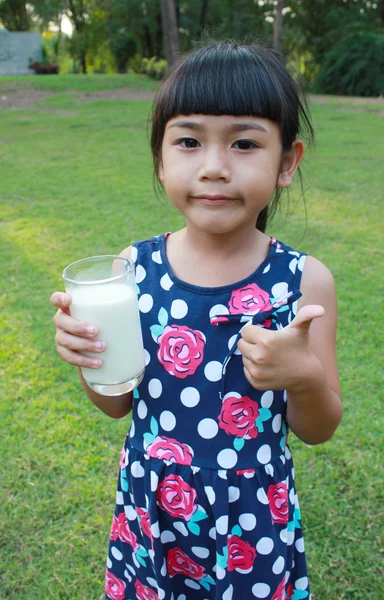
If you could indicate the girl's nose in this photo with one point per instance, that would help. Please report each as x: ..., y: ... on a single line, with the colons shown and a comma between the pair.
x: 214, y: 166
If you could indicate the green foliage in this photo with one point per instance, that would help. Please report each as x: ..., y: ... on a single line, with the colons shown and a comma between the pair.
x: 354, y: 66
x: 123, y: 46
x: 152, y: 67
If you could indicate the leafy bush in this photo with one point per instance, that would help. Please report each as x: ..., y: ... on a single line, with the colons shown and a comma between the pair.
x: 152, y: 67
x: 354, y: 66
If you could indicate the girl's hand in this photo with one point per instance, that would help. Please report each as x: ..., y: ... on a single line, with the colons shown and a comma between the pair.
x: 280, y: 360
x: 73, y: 336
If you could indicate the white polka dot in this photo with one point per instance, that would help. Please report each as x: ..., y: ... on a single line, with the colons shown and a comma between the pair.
x: 152, y: 582
x: 290, y: 538
x: 302, y: 583
x: 299, y: 544
x: 212, y: 370
x: 155, y: 388
x: 293, y: 265
x: 232, y: 395
x: 140, y: 273
x: 208, y: 428
x: 264, y: 454
x: 155, y: 529
x: 262, y: 496
x: 181, y: 597
x: 181, y: 528
x: 292, y: 496
x: 231, y: 341
x: 269, y: 469
x: 284, y: 535
x: 160, y: 593
x: 228, y: 594
x: 179, y: 309
x: 200, y: 551
x: 192, y: 584
x: 222, y: 525
x: 276, y: 423
x: 109, y: 563
x: 233, y: 493
x: 132, y: 429
x: 154, y: 481
x: 266, y: 399
x: 247, y: 521
x: 265, y: 545
x: 142, y: 409
x: 136, y: 469
x: 116, y: 553
x: 167, y: 536
x: 280, y: 289
x: 130, y: 513
x: 156, y: 257
x: 210, y: 493
x: 218, y: 309
x: 133, y: 255
x: 261, y: 590
x: 267, y: 268
x: 212, y: 533
x: 190, y: 397
x: 300, y: 264
x: 119, y: 498
x: 147, y: 357
x: 220, y: 573
x: 163, y: 569
x: 167, y: 420
x: 145, y: 303
x: 131, y: 569
x: 287, y: 453
x: 227, y: 458
x: 166, y: 282
x: 278, y: 565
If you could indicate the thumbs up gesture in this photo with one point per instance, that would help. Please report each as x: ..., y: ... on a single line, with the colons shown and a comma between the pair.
x: 280, y: 359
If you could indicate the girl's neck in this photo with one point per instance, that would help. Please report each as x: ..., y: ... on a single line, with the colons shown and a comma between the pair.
x: 211, y: 260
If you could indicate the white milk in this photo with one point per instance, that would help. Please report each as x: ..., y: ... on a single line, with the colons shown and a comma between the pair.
x: 113, y: 308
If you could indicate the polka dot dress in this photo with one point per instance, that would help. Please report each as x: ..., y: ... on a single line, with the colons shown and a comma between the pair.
x: 206, y: 506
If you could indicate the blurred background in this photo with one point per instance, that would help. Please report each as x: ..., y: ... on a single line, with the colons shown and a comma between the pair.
x: 336, y: 46
x: 77, y: 79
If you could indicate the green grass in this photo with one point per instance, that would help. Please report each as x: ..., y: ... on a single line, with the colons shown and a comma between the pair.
x: 78, y: 184
x: 80, y: 83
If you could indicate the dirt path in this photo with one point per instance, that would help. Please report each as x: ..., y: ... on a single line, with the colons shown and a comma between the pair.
x: 24, y: 98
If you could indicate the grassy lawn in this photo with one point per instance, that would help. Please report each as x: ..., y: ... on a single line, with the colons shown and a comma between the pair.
x: 76, y: 180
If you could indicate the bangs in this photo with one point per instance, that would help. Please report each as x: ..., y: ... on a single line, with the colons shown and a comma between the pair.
x: 222, y: 80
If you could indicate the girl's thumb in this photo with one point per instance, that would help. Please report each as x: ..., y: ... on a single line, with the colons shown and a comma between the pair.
x: 305, y: 316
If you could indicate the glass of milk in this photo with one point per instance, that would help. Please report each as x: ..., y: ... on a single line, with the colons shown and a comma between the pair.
x: 103, y: 291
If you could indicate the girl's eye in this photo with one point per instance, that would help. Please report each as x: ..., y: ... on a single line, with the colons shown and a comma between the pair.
x: 188, y: 143
x: 245, y: 145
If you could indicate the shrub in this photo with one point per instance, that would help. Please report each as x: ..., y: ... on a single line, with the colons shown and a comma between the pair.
x: 354, y: 66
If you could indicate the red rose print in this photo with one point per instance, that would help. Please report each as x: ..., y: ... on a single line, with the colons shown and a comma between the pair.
x: 241, y: 555
x: 144, y: 592
x: 165, y: 448
x: 289, y: 592
x: 278, y: 502
x: 181, y: 350
x: 217, y: 320
x: 249, y: 299
x: 114, y: 587
x: 180, y: 564
x: 238, y: 416
x: 145, y: 523
x: 280, y: 591
x: 245, y: 472
x: 176, y: 497
x: 120, y: 529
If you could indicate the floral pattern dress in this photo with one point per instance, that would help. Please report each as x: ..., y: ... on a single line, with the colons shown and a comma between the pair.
x: 206, y: 506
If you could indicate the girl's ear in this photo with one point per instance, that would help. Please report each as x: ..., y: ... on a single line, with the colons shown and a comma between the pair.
x: 291, y: 162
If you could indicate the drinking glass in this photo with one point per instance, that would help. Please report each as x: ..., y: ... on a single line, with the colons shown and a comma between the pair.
x: 103, y: 291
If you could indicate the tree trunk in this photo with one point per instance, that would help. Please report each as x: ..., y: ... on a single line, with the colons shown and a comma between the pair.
x: 203, y: 16
x: 278, y: 25
x: 170, y: 30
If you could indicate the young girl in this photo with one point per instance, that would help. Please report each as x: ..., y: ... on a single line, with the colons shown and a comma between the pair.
x: 239, y: 335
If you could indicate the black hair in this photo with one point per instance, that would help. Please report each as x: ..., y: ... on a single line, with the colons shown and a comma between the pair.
x: 230, y: 78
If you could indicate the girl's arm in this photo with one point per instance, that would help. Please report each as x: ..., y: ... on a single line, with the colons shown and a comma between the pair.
x: 113, y: 406
x: 301, y: 358
x: 314, y: 407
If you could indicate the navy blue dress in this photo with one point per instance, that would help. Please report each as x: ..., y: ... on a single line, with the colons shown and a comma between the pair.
x: 206, y: 506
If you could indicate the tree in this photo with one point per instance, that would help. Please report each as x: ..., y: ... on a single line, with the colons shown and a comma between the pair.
x: 170, y: 30
x: 14, y: 15
x: 278, y: 25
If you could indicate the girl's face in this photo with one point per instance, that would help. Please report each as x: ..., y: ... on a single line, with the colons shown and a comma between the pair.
x: 221, y: 171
